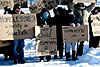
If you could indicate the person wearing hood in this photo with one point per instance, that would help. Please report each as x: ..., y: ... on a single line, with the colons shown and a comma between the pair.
x: 44, y: 18
x: 81, y: 15
x: 94, y: 41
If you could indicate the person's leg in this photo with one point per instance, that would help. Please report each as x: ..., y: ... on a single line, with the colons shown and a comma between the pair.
x: 73, y: 51
x: 41, y: 58
x: 15, y: 54
x: 48, y: 58
x: 67, y: 51
x: 80, y: 48
x: 21, y: 51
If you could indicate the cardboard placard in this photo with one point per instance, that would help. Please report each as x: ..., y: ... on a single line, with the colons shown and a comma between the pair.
x: 75, y: 34
x: 23, y: 3
x: 46, y: 47
x: 95, y: 24
x: 5, y: 43
x: 50, y: 4
x: 84, y: 1
x: 4, y: 3
x: 46, y: 40
x: 45, y: 32
x: 17, y: 26
x: 37, y: 7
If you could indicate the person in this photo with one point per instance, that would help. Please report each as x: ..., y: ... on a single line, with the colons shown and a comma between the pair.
x: 44, y: 18
x: 7, y: 10
x: 68, y: 46
x: 94, y: 41
x: 81, y: 16
x: 7, y: 50
x: 59, y: 20
x: 18, y: 44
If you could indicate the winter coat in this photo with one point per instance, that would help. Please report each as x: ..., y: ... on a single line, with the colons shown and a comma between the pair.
x: 81, y: 15
x: 41, y: 20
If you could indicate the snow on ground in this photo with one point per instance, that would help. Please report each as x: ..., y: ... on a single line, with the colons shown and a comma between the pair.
x: 90, y: 58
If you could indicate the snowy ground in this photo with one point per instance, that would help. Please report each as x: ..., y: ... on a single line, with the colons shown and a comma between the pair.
x: 90, y: 58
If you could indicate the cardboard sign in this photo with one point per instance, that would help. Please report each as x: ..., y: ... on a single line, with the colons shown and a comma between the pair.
x: 45, y: 32
x: 95, y: 24
x: 50, y: 4
x: 23, y: 3
x: 75, y: 34
x: 46, y: 47
x: 17, y: 26
x: 5, y: 43
x: 4, y: 3
x: 37, y: 7
x: 46, y: 40
x: 84, y: 1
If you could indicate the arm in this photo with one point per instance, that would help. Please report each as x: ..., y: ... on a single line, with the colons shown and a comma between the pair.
x: 70, y: 5
x: 91, y: 7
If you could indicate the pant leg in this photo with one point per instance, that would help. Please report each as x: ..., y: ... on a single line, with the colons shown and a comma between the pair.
x: 68, y: 45
x: 73, y: 46
x: 48, y: 58
x: 15, y: 44
x: 21, y: 50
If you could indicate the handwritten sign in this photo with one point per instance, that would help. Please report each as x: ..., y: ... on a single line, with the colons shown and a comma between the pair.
x: 23, y: 3
x: 37, y: 7
x: 45, y: 32
x: 75, y: 34
x: 46, y: 47
x: 17, y: 26
x: 4, y: 3
x: 50, y: 4
x: 84, y: 1
x: 5, y: 43
x: 95, y: 24
x: 46, y: 40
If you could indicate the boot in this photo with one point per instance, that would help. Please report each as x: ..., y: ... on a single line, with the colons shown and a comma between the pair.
x: 67, y: 56
x: 74, y: 55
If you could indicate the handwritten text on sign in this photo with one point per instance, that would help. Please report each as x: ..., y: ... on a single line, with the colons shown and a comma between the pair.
x: 45, y: 32
x: 46, y: 40
x: 17, y: 26
x: 75, y: 34
x: 95, y: 24
x: 46, y: 47
x: 4, y: 3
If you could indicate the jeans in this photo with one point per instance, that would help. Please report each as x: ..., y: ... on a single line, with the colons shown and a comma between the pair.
x: 18, y: 53
x: 70, y: 45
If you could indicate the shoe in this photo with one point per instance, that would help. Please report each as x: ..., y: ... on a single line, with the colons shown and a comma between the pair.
x: 41, y: 60
x: 15, y: 61
x: 21, y: 61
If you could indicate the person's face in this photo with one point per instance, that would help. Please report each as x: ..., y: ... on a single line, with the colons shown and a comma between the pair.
x: 81, y: 6
x: 18, y: 10
x: 96, y: 11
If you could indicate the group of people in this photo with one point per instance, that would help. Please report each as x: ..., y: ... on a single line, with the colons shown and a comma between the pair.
x: 74, y: 16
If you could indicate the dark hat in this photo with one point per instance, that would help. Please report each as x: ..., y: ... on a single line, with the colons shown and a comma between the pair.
x: 17, y: 6
x: 6, y: 8
x: 44, y: 10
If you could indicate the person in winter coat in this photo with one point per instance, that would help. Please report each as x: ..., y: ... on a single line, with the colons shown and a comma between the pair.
x: 7, y: 50
x: 94, y: 41
x: 44, y: 18
x: 81, y: 15
x: 59, y: 20
x: 18, y: 44
x: 68, y: 46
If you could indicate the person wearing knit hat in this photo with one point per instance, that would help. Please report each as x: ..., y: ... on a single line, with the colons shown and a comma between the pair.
x: 18, y: 45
